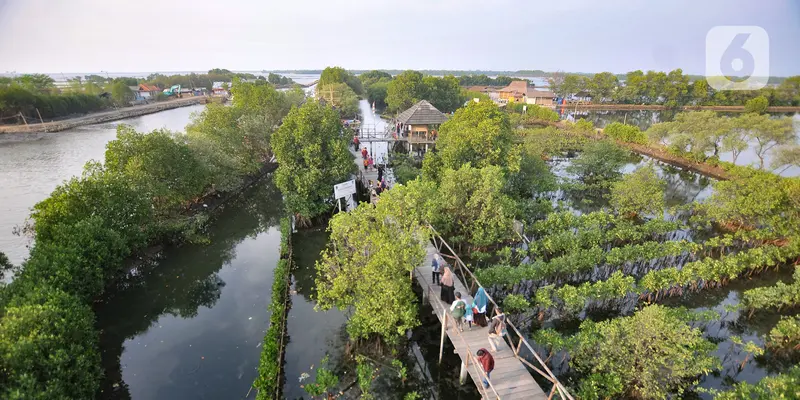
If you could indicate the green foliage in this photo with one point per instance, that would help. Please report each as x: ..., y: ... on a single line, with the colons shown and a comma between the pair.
x: 781, y: 386
x: 404, y: 168
x: 87, y: 250
x: 584, y: 126
x: 377, y: 92
x: 365, y: 373
x: 341, y: 97
x: 276, y: 79
x: 640, y: 192
x: 483, y: 80
x: 756, y: 105
x: 366, y: 268
x: 515, y: 303
x: 766, y: 132
x: 528, y: 175
x: 405, y: 90
x: 779, y: 296
x: 550, y: 141
x: 325, y: 381
x: 599, y: 162
x: 470, y: 206
x: 121, y: 93
x: 313, y: 156
x: 754, y: 198
x: 443, y: 93
x: 260, y: 100
x: 159, y: 164
x: 625, y: 133
x: 5, y: 266
x: 333, y: 75
x: 15, y: 99
x: 97, y: 193
x: 479, y: 134
x: 409, y: 87
x: 786, y: 334
x: 651, y: 354
x: 533, y: 113
x: 49, y: 347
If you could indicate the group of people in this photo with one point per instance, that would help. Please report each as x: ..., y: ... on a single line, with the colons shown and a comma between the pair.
x: 474, y: 313
x: 369, y: 162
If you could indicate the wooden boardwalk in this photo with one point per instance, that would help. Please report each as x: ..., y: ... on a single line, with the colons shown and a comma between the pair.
x: 510, y: 378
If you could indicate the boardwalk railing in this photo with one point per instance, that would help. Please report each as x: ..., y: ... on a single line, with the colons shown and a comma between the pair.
x: 469, y: 358
x: 471, y: 282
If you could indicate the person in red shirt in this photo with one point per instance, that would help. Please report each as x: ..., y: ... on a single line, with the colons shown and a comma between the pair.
x: 487, y: 362
x: 364, y: 153
x: 356, y: 142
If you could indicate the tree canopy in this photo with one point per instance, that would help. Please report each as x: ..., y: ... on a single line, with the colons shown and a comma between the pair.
x: 479, y: 134
x: 312, y: 155
x: 648, y: 355
x: 640, y: 192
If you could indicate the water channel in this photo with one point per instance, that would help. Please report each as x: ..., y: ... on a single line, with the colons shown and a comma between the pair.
x: 32, y: 165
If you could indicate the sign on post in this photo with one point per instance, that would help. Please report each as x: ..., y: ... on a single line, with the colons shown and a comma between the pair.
x: 347, y: 190
x: 344, y: 189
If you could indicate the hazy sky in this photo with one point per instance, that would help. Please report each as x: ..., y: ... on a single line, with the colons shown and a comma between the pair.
x: 580, y: 35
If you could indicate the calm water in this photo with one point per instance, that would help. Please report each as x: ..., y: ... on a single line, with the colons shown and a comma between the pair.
x: 32, y: 165
x: 644, y: 118
x: 189, y: 324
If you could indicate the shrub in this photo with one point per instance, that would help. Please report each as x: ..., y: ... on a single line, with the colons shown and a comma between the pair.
x: 625, y: 133
x: 641, y: 192
x: 756, y: 105
x: 49, y: 348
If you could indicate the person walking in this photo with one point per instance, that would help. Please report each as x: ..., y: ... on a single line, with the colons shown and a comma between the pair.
x: 457, y: 310
x: 356, y: 142
x: 364, y: 153
x: 366, y: 164
x: 479, y: 307
x: 496, y: 330
x: 435, y: 268
x: 487, y: 363
x: 371, y: 162
x: 448, y: 288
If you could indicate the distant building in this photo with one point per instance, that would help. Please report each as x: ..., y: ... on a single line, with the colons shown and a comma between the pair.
x: 218, y: 88
x: 148, y: 92
x: 515, y: 91
x: 491, y: 91
x: 137, y: 95
x: 540, y: 97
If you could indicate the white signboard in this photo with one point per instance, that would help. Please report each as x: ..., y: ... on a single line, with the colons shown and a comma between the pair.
x: 344, y: 189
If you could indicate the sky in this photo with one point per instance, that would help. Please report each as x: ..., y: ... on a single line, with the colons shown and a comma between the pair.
x: 195, y: 35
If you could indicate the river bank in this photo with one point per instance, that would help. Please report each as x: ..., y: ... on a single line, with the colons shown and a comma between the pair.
x: 100, y: 117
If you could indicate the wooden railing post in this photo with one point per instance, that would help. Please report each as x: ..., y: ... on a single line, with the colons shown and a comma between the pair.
x: 444, y: 333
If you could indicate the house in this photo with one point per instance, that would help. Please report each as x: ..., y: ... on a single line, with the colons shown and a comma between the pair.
x: 148, y: 92
x: 220, y: 88
x: 540, y: 97
x: 420, y: 124
x: 515, y: 91
x: 137, y: 95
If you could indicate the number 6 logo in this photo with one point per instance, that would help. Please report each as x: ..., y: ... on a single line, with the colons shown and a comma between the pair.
x: 737, y: 57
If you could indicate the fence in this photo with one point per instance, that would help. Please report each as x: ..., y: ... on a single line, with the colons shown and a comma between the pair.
x: 471, y: 282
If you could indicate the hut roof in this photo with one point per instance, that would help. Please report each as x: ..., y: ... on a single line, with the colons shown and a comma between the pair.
x: 422, y: 113
x: 540, y: 94
x: 520, y: 87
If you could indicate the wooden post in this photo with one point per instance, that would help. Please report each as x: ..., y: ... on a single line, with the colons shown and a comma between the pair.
x: 444, y: 333
x: 40, y: 116
x: 462, y: 376
x: 23, y: 119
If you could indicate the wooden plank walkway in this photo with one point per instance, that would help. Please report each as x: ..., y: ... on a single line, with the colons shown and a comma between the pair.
x: 510, y: 379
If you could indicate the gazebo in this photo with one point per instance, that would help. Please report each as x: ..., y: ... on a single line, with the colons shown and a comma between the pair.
x: 420, y: 125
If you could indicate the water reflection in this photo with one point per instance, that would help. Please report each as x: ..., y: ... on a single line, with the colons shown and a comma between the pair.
x: 188, y: 325
x: 645, y: 118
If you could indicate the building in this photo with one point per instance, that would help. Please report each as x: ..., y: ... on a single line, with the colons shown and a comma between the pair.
x: 137, y: 95
x: 515, y: 91
x: 148, y: 92
x: 540, y: 97
x: 220, y: 88
x: 491, y: 91
x: 420, y: 125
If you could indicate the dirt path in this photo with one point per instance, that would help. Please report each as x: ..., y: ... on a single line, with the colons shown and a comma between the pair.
x: 99, y: 117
